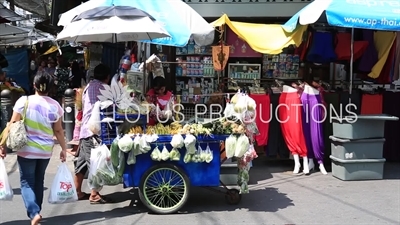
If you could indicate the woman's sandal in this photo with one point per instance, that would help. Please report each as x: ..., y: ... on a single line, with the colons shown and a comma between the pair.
x: 99, y: 201
x: 36, y: 220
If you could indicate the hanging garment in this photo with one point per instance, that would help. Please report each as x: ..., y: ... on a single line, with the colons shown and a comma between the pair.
x: 322, y: 48
x: 343, y: 51
x: 371, y: 104
x: 391, y: 106
x: 276, y: 144
x: 263, y: 117
x: 313, y: 118
x: 370, y: 56
x: 355, y: 101
x: 384, y: 77
x: 383, y: 42
x: 396, y: 65
x: 303, y: 48
x: 290, y: 112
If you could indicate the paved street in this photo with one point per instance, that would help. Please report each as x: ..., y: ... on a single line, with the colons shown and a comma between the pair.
x: 276, y: 197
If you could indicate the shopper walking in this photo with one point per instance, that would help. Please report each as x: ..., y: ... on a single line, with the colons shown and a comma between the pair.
x: 62, y: 78
x: 87, y: 140
x: 43, y: 120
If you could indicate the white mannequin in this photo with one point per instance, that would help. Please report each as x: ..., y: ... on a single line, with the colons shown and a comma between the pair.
x: 312, y: 91
x: 296, y: 157
x: 288, y: 89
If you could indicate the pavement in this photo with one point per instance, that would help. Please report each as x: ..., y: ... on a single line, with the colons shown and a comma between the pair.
x: 276, y: 197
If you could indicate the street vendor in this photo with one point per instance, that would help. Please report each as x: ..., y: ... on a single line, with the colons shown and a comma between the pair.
x: 160, y: 97
x: 8, y: 84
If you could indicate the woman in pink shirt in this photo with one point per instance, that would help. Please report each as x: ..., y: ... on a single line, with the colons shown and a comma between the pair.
x: 159, y: 96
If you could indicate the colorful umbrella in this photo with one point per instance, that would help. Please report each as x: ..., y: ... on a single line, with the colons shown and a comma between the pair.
x: 178, y: 19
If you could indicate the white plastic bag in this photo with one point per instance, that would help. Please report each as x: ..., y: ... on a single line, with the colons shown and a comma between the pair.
x: 144, y: 145
x: 164, y: 154
x: 131, y: 158
x: 63, y: 188
x: 209, y: 155
x: 177, y: 141
x: 190, y: 144
x: 94, y: 122
x: 251, y: 104
x: 228, y: 112
x: 101, y: 169
x: 242, y: 146
x: 156, y: 154
x: 6, y: 192
x: 230, y: 146
x: 136, y: 143
x: 126, y: 143
x: 241, y: 105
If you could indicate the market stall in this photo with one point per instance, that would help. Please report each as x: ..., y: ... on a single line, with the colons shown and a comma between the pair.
x: 163, y: 161
x: 348, y: 130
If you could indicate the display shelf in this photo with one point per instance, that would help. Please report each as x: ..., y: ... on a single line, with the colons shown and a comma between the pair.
x: 282, y: 66
x: 245, y: 73
x: 193, y: 54
x: 195, y: 66
x: 207, y: 77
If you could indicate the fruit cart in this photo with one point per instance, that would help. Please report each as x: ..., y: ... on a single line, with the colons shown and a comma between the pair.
x: 164, y: 186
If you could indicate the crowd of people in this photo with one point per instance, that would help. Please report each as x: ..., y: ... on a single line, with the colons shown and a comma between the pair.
x: 65, y: 74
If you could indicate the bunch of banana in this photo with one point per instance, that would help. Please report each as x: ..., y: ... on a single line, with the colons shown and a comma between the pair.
x: 175, y: 127
x: 150, y: 130
x: 161, y: 129
x: 136, y: 130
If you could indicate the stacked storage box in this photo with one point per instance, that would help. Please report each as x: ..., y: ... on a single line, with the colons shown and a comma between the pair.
x: 357, y: 147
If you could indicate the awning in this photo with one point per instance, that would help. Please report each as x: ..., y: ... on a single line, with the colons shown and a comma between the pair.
x: 38, y: 7
x: 9, y: 32
x: 263, y: 38
x: 7, y: 16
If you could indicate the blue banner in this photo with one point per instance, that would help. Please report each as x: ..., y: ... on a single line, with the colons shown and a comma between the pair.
x: 363, y: 14
x: 18, y: 66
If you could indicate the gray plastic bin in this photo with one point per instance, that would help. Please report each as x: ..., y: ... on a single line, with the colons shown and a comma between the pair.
x: 361, y: 169
x: 357, y: 149
x: 361, y: 126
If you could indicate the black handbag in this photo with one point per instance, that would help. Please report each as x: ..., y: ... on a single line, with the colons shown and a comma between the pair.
x: 3, y: 61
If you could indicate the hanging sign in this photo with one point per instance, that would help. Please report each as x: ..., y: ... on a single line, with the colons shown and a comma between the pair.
x: 220, y: 55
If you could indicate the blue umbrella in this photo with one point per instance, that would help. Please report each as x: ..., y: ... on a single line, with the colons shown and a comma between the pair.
x: 363, y: 14
x: 177, y: 18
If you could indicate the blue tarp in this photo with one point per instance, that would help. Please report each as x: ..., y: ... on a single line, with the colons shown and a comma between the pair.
x: 112, y: 54
x: 18, y: 66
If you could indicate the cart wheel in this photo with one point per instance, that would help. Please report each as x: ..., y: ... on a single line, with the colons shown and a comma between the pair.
x: 164, y: 189
x: 233, y: 197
